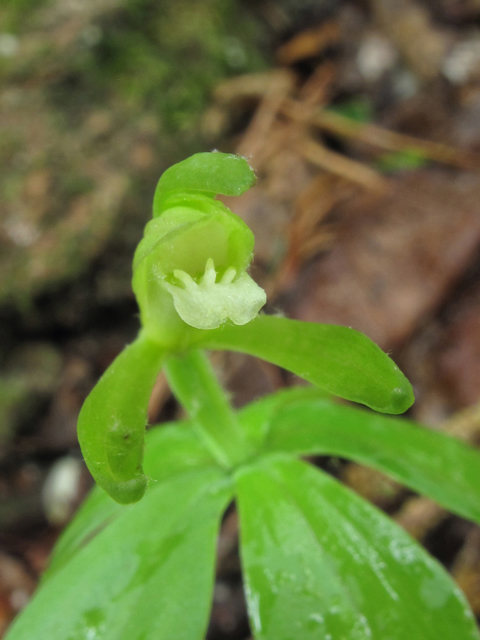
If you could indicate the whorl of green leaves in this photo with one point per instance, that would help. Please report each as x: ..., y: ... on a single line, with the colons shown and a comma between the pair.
x: 318, y: 561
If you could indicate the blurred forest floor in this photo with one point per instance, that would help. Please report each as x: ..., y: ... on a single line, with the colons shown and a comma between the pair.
x: 362, y: 119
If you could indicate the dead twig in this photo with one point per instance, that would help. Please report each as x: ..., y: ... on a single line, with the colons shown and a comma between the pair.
x: 160, y: 394
x: 251, y: 86
x: 420, y: 515
x: 309, y: 43
x: 376, y: 136
x: 466, y: 569
x: 342, y: 166
x: 306, y: 234
x: 263, y: 121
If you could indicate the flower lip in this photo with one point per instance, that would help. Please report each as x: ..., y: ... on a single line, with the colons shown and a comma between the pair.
x: 207, y: 304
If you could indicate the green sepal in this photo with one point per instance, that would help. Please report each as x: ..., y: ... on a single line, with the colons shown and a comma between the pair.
x: 111, y: 424
x: 321, y: 562
x: 339, y: 360
x: 207, y: 174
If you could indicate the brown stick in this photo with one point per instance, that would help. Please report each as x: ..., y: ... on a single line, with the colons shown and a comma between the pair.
x: 376, y: 136
x: 341, y: 165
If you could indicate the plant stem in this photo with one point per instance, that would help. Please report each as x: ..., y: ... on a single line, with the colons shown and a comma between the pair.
x: 193, y: 381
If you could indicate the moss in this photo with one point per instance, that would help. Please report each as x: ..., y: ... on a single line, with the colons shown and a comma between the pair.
x: 15, y: 14
x: 166, y: 57
x: 120, y: 63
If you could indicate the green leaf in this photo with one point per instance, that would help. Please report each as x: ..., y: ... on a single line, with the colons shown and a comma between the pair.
x: 432, y: 463
x: 256, y: 418
x: 94, y: 515
x: 148, y: 575
x: 339, y: 360
x: 170, y: 450
x: 319, y: 562
x: 111, y: 424
x: 204, y: 173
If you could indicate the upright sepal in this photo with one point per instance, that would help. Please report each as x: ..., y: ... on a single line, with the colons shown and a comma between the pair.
x: 208, y: 174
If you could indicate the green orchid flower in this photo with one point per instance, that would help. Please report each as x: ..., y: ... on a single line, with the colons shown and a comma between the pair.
x: 193, y: 259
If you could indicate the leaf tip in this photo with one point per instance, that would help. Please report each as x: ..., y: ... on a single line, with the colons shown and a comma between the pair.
x: 129, y: 491
x: 401, y: 398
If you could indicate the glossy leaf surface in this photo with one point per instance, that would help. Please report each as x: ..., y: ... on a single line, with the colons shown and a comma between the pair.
x: 111, y: 424
x: 321, y: 563
x: 339, y: 360
x: 429, y: 462
x: 97, y: 511
x: 131, y: 581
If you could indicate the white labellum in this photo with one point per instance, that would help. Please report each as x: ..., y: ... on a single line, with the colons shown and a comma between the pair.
x: 207, y: 304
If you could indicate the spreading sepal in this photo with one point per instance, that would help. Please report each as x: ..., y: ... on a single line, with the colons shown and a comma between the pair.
x: 339, y: 360
x: 111, y: 424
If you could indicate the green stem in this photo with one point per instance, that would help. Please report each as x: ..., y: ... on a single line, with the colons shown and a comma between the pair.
x: 193, y: 381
